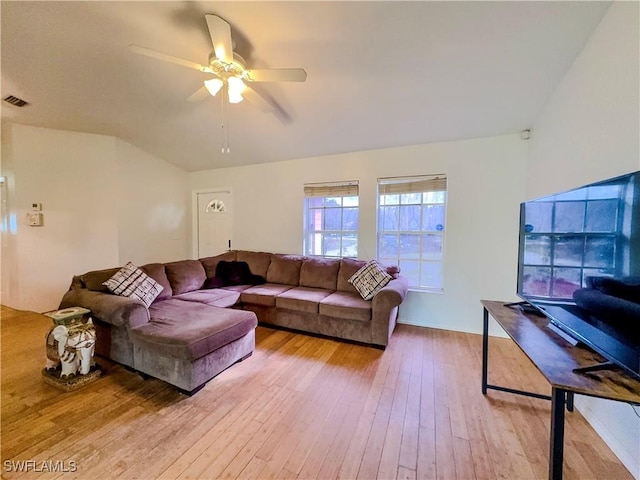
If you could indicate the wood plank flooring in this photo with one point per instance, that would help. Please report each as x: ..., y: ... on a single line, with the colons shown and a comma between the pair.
x: 299, y: 408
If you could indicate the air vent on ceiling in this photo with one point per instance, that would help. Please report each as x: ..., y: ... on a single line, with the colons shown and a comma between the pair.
x: 15, y: 101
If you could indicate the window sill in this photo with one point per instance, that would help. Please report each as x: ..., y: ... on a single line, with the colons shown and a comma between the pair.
x: 437, y: 291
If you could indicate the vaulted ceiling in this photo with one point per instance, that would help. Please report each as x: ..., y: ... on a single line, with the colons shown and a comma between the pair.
x: 380, y: 74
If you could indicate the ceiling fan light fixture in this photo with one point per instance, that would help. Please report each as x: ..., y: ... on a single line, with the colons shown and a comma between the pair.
x: 235, y: 97
x: 213, y: 85
x: 236, y: 87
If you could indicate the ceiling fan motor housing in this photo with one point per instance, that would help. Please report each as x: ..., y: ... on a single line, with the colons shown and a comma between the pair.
x: 226, y: 70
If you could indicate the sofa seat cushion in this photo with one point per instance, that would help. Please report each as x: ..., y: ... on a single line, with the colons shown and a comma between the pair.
x: 191, y: 330
x: 346, y: 305
x: 302, y: 299
x: 236, y: 288
x: 216, y: 297
x: 263, y: 294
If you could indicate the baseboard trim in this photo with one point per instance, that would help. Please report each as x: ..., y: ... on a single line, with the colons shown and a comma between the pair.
x: 618, y: 449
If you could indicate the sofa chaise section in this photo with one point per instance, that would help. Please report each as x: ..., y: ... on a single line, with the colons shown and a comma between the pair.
x: 185, y: 339
x: 183, y: 346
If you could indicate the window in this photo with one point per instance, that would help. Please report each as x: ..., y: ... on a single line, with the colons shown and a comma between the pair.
x: 331, y: 219
x: 411, y: 225
x: 572, y: 236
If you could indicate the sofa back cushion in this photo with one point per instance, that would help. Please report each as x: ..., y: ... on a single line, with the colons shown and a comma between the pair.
x: 284, y: 269
x: 348, y: 266
x: 131, y: 282
x: 235, y: 273
x: 211, y: 263
x: 94, y: 280
x: 156, y: 271
x: 319, y: 273
x: 185, y: 275
x: 258, y: 261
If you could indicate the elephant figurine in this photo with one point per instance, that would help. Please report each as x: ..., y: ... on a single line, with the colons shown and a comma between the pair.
x: 59, y: 354
x: 76, y: 345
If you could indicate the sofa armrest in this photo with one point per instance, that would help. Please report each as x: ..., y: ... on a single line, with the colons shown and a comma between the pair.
x: 392, y: 294
x: 385, y: 309
x: 113, y: 309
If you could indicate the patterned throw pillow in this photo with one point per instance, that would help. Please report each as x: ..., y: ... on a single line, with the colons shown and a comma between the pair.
x: 370, y: 279
x: 132, y: 282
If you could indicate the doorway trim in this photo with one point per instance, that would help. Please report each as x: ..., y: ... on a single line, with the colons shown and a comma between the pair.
x: 195, y: 231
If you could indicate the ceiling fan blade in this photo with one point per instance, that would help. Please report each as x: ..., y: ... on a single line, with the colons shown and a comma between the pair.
x: 220, y: 33
x: 258, y: 100
x: 168, y: 58
x: 199, y: 95
x: 276, y: 75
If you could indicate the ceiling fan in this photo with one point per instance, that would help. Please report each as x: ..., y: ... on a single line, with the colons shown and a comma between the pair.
x: 229, y: 69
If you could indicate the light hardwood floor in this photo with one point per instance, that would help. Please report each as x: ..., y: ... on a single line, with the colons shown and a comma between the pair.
x: 300, y: 407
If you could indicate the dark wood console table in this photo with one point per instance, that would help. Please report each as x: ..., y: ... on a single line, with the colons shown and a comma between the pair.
x: 556, y: 359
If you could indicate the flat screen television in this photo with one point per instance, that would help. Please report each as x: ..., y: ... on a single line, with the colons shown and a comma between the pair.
x: 579, y: 264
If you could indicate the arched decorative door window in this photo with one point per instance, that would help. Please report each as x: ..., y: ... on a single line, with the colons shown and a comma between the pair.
x: 216, y: 206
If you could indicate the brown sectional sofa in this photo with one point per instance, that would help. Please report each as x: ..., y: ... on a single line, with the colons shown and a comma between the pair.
x: 192, y: 332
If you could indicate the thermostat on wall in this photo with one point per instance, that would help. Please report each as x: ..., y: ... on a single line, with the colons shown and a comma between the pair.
x: 36, y: 207
x: 35, y: 219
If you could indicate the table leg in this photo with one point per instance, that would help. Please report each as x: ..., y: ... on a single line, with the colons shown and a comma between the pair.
x: 556, y: 454
x: 570, y: 401
x: 485, y: 348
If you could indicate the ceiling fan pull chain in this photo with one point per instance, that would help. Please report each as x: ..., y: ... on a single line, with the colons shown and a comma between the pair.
x: 228, y: 121
x: 223, y: 131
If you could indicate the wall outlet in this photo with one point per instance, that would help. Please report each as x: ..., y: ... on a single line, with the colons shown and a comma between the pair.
x: 35, y: 219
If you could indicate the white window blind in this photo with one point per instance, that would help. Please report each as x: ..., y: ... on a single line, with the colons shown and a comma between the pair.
x: 336, y: 189
x: 397, y: 185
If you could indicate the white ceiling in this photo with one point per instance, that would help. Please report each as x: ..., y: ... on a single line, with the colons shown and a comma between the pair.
x: 380, y: 74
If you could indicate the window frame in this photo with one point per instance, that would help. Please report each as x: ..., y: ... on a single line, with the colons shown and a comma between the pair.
x: 556, y: 235
x: 327, y: 191
x: 423, y: 185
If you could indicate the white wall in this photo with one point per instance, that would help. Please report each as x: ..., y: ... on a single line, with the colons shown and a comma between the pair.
x: 98, y: 194
x: 72, y: 175
x: 590, y: 130
x: 7, y: 241
x: 486, y: 183
x: 153, y: 208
